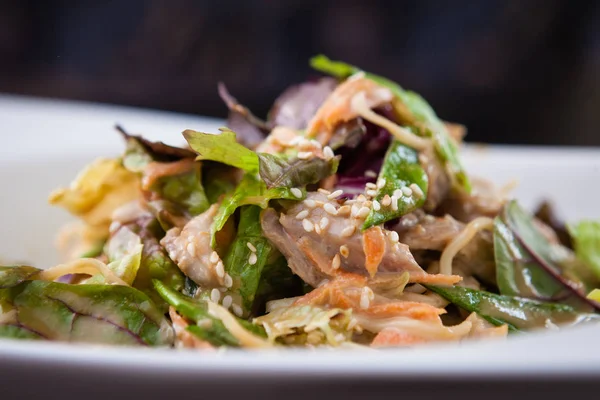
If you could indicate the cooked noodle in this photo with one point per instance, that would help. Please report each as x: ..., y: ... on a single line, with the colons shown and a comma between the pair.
x: 359, y: 105
x: 87, y: 266
x: 461, y: 240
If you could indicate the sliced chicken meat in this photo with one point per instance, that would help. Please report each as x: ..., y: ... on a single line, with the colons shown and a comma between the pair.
x: 190, y: 249
x: 320, y: 238
x: 338, y: 106
x: 426, y: 232
x: 485, y: 200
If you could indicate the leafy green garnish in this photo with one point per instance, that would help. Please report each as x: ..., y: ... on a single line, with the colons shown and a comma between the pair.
x: 247, y: 275
x: 400, y: 169
x: 207, y: 327
x: 223, y: 148
x: 278, y: 172
x: 108, y: 314
x: 419, y: 115
x: 517, y: 272
x: 250, y: 191
x: 518, y: 313
x: 586, y: 243
x: 554, y: 263
x: 13, y: 276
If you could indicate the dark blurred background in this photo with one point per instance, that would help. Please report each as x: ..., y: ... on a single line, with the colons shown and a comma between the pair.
x: 512, y: 71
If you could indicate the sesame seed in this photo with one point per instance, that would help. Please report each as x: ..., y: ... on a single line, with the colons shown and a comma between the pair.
x: 364, y: 299
x: 354, y: 210
x: 394, y: 203
x: 310, y: 203
x: 350, y: 201
x: 220, y: 269
x: 336, y: 262
x: 363, y: 212
x: 344, y: 251
x: 318, y: 229
x: 394, y: 236
x: 251, y: 247
x: 295, y: 141
x: 407, y: 191
x: 215, y: 295
x: 237, y: 310
x: 222, y: 289
x: 328, y: 153
x: 348, y: 231
x: 370, y: 174
x: 335, y: 194
x: 386, y: 201
x: 376, y: 205
x: 227, y: 301
x: 228, y: 281
x: 361, y: 198
x: 398, y: 193
x: 214, y: 257
x: 416, y: 190
x: 343, y: 210
x: 307, y: 225
x: 324, y: 223
x: 330, y: 209
x: 372, y: 193
x: 324, y: 191
x: 380, y: 183
x: 252, y: 259
x: 371, y: 185
x: 191, y: 248
x: 296, y: 192
x: 305, y: 155
x: 302, y: 214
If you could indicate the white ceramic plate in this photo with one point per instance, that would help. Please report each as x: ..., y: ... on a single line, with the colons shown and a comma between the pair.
x: 44, y: 144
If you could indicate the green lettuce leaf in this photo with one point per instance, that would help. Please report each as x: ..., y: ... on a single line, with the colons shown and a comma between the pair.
x: 207, y: 327
x: 518, y: 313
x: 555, y: 262
x: 223, y: 148
x: 251, y: 191
x: 517, y: 272
x: 107, y: 314
x: 155, y: 263
x: 13, y: 276
x: 185, y: 191
x: 420, y: 116
x: 247, y: 276
x: 401, y: 168
x: 586, y: 243
x: 278, y: 172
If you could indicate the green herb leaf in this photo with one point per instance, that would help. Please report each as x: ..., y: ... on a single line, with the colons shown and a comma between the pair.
x: 13, y: 276
x: 207, y: 327
x: 400, y: 169
x: 586, y: 243
x: 247, y: 276
x: 108, y: 314
x: 420, y: 116
x: 518, y: 313
x: 279, y: 172
x: 517, y: 272
x: 222, y: 148
x: 251, y: 191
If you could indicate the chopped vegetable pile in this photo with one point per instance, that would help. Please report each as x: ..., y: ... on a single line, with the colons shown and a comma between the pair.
x: 346, y: 218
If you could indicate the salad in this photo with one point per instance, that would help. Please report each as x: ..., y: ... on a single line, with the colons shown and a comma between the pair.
x: 343, y: 219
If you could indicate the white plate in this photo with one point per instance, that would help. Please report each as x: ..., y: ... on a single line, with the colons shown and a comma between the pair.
x: 44, y: 143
